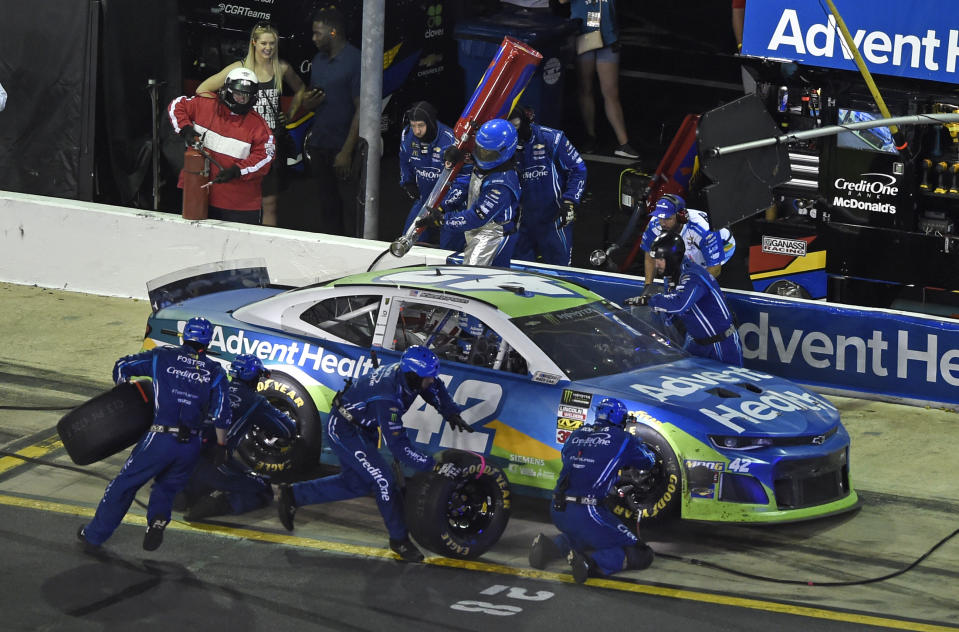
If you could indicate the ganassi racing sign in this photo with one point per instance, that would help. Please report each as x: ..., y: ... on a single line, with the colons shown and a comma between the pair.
x: 917, y: 39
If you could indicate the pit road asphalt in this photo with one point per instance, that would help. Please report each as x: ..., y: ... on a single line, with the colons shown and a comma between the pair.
x: 334, y: 571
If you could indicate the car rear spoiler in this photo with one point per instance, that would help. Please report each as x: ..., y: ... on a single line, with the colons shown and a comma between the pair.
x: 207, y: 278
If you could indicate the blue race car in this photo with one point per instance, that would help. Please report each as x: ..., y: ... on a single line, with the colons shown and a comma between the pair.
x: 527, y: 356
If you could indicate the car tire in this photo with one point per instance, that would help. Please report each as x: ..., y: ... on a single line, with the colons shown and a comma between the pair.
x: 278, y: 460
x: 661, y: 496
x: 463, y: 517
x: 107, y: 423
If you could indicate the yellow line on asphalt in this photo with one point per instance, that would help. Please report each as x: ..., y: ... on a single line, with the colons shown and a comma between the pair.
x: 474, y: 565
x: 34, y: 451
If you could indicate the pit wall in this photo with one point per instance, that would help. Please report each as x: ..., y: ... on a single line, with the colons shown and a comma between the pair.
x: 97, y: 249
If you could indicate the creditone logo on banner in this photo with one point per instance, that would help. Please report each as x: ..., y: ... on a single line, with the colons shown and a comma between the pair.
x: 908, y: 39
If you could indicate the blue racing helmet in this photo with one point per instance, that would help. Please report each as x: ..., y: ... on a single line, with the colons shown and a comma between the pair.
x: 248, y: 368
x: 495, y: 144
x: 670, y: 204
x: 198, y: 330
x: 612, y: 411
x: 420, y: 361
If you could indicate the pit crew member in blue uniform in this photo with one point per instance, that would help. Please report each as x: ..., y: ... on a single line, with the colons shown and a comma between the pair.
x: 706, y: 247
x: 189, y: 390
x: 693, y: 296
x: 422, y: 146
x: 483, y: 205
x: 592, y: 458
x: 359, y: 414
x: 552, y: 177
x: 231, y: 487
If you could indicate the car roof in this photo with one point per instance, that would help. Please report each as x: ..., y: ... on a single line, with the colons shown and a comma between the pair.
x: 512, y: 292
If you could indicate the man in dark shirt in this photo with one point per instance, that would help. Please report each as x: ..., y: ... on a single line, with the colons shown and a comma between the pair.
x: 334, y: 96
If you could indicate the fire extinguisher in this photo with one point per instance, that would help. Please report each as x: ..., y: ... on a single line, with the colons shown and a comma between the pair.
x: 196, y: 174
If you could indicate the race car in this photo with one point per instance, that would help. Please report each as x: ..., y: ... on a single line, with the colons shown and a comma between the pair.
x: 527, y: 356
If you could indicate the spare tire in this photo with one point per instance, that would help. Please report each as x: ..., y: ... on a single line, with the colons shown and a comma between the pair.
x: 108, y: 423
x: 282, y: 461
x: 658, y: 499
x: 462, y: 517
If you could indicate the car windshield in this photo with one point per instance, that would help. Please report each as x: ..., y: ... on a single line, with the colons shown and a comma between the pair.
x: 597, y: 339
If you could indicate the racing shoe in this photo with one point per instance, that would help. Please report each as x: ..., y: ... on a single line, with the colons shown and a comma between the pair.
x: 286, y: 506
x: 153, y: 538
x: 581, y: 566
x: 542, y: 551
x: 626, y: 151
x: 406, y: 550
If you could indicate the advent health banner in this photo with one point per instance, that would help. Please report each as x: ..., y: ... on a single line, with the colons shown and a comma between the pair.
x: 915, y: 38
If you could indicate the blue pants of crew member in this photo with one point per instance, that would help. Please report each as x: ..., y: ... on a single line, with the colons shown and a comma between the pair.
x: 364, y: 471
x: 554, y: 245
x: 245, y: 492
x: 585, y: 527
x: 446, y: 238
x: 158, y: 456
x: 728, y: 351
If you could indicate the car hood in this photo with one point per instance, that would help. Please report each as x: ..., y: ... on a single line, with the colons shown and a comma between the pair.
x: 706, y: 397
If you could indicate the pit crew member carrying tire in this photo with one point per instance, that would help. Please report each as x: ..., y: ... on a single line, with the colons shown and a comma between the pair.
x: 189, y: 389
x: 483, y: 206
x: 592, y: 458
x: 709, y: 248
x: 221, y: 484
x: 553, y: 177
x: 376, y: 404
x: 692, y: 296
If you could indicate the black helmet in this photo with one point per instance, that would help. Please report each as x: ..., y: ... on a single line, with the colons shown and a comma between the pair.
x: 669, y: 246
x: 239, y: 81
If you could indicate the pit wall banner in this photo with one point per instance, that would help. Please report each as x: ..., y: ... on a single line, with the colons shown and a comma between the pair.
x: 918, y: 39
x: 884, y: 353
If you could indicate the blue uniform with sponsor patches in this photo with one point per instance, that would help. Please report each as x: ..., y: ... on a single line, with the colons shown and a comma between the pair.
x: 422, y: 164
x: 705, y: 247
x: 698, y: 301
x: 374, y: 405
x: 189, y: 390
x: 245, y: 490
x: 550, y: 171
x: 592, y: 458
x: 483, y: 206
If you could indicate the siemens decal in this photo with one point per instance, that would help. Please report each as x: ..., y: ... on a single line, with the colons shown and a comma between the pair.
x: 301, y: 354
x: 891, y: 39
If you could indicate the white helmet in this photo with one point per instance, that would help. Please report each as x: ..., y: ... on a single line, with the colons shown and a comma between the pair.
x: 239, y: 90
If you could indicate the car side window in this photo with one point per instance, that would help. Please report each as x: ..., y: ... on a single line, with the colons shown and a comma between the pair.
x: 352, y: 318
x: 455, y: 336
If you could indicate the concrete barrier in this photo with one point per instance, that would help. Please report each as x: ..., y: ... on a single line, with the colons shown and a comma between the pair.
x: 113, y: 251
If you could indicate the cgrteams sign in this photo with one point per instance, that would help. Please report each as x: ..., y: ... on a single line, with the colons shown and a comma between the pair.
x: 843, y: 347
x: 917, y: 39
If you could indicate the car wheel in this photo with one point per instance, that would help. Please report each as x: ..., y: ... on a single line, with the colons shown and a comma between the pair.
x: 278, y: 459
x: 463, y: 517
x: 658, y: 497
x: 108, y: 423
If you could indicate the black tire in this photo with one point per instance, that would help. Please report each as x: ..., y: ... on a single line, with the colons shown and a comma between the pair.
x: 459, y: 518
x: 108, y: 423
x: 283, y: 461
x: 659, y: 498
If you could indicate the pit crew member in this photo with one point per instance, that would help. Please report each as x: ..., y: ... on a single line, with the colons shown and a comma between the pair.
x: 359, y: 415
x: 592, y: 539
x: 693, y: 296
x: 237, y: 138
x: 231, y: 487
x: 552, y: 177
x: 483, y: 205
x: 706, y: 247
x: 189, y: 390
x: 422, y: 146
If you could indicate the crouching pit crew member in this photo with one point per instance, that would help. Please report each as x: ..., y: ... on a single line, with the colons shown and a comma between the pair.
x: 376, y: 404
x: 189, y: 388
x: 592, y: 539
x: 693, y: 296
x: 221, y: 484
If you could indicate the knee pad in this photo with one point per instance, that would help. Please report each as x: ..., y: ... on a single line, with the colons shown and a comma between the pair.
x: 639, y: 557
